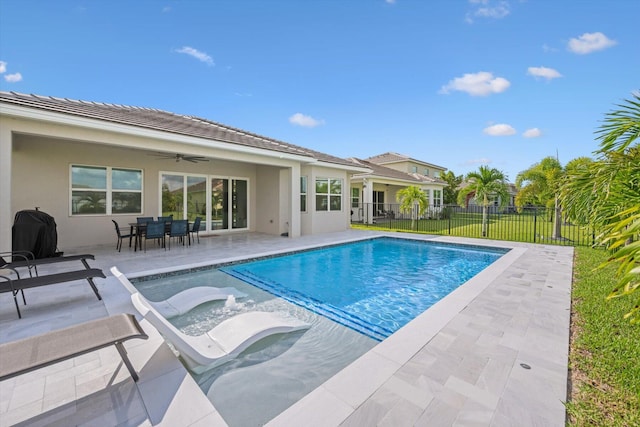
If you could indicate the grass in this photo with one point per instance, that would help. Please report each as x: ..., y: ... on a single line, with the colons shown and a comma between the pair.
x: 514, y: 227
x: 604, y: 349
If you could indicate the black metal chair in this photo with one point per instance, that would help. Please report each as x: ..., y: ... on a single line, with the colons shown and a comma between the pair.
x: 121, y: 236
x: 180, y: 229
x: 195, y: 228
x: 154, y: 230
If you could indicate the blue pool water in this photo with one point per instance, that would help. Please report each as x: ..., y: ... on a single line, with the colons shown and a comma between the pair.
x: 352, y: 295
x: 375, y: 286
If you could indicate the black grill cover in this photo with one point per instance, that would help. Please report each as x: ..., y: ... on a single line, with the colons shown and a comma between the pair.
x: 35, y: 231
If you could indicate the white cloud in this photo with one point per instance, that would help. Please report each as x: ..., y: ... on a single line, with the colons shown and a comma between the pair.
x: 200, y: 56
x: 166, y: 9
x: 590, y: 42
x: 300, y: 119
x: 543, y: 72
x: 478, y: 84
x: 483, y: 161
x: 13, y: 78
x: 532, y: 133
x: 500, y: 129
x: 3, y: 67
x: 488, y: 9
x: 390, y: 1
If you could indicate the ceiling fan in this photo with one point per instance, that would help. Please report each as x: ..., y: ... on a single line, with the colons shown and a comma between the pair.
x: 177, y: 157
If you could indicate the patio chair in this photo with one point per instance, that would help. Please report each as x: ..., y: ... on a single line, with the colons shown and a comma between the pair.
x: 184, y: 301
x: 17, y: 259
x: 154, y: 230
x: 15, y: 285
x: 122, y: 236
x: 222, y: 343
x: 195, y: 228
x: 179, y: 229
x: 29, y: 354
x: 165, y: 218
x: 144, y: 219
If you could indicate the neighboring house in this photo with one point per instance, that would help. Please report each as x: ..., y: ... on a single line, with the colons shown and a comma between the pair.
x: 86, y: 163
x: 510, y: 206
x: 373, y: 194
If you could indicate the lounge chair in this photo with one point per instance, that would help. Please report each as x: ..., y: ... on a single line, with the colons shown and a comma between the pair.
x: 17, y: 259
x: 29, y: 354
x: 222, y: 343
x: 183, y: 301
x: 15, y: 285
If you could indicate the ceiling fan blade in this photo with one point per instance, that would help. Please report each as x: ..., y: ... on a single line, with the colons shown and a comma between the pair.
x: 195, y: 159
x: 177, y: 157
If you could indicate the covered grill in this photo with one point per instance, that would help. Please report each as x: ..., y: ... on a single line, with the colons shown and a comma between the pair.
x: 35, y: 231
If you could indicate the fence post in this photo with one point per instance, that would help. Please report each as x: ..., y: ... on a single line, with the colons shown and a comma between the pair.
x: 535, y: 221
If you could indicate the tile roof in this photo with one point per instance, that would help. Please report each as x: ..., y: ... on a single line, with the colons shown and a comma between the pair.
x: 164, y: 121
x: 390, y: 157
x: 385, y: 172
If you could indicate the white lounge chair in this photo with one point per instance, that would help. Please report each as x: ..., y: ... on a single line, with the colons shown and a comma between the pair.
x: 222, y: 343
x: 183, y: 301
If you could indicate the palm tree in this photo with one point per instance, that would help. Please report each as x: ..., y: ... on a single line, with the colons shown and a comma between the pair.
x: 410, y: 198
x: 450, y: 193
x: 485, y: 184
x: 609, y: 191
x: 542, y: 183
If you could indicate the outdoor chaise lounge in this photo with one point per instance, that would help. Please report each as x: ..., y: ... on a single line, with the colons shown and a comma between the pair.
x: 183, y: 301
x: 222, y: 343
x: 29, y: 354
x: 15, y: 285
x: 17, y: 259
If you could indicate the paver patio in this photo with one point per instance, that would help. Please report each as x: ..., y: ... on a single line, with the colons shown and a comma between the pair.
x: 494, y: 352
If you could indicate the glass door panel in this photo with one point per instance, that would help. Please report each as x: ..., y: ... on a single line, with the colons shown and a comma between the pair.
x: 173, y: 196
x: 219, y: 204
x: 196, y: 197
x: 239, y: 209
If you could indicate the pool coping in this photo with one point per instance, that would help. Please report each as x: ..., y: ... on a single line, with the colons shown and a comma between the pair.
x: 337, y: 398
x: 376, y: 389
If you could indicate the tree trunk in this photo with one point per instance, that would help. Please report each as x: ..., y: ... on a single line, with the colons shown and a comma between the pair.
x: 485, y: 220
x: 557, y: 222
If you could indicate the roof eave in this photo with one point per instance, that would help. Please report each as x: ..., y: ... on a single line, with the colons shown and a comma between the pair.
x: 12, y: 110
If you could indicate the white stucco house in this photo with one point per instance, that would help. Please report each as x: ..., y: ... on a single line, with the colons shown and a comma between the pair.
x: 373, y: 193
x: 86, y: 163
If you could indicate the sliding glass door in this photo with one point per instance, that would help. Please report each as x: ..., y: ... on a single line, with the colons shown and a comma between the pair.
x: 185, y: 197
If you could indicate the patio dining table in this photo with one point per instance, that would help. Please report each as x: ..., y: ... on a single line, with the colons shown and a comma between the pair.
x: 138, y: 229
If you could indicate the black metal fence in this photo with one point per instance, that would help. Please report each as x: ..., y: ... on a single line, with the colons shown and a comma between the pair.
x: 533, y: 224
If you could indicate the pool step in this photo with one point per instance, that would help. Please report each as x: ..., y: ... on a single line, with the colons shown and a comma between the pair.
x: 329, y: 311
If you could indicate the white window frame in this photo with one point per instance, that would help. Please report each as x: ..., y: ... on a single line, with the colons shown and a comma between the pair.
x: 304, y: 191
x: 109, y: 190
x: 329, y: 194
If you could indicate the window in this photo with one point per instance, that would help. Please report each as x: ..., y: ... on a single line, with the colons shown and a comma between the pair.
x: 426, y: 172
x: 355, y: 197
x: 105, y: 190
x: 303, y: 194
x: 328, y: 194
x: 436, y: 174
x: 437, y: 196
x: 414, y: 169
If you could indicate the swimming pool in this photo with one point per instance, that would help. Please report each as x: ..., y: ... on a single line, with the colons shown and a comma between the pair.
x: 278, y: 371
x: 375, y: 286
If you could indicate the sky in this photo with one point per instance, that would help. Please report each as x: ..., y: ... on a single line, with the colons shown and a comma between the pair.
x: 455, y: 83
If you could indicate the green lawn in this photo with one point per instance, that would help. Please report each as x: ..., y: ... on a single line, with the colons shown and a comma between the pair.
x: 514, y: 227
x: 605, y: 349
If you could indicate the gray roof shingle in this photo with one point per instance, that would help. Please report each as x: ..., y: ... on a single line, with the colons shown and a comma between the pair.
x: 385, y: 172
x: 390, y: 157
x: 164, y: 121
